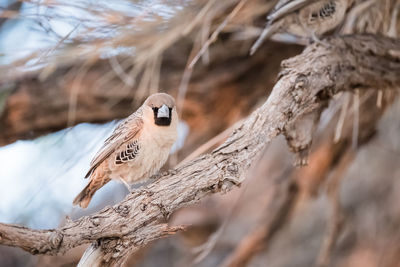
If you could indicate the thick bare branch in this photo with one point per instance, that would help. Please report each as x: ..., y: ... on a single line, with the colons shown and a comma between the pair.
x: 305, y: 85
x: 123, y: 247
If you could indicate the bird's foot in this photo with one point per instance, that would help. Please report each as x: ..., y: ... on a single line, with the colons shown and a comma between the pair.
x: 316, y: 39
x: 157, y: 176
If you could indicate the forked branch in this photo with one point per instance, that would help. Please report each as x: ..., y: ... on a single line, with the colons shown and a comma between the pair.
x: 305, y: 85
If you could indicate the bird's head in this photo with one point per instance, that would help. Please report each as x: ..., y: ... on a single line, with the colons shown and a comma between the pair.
x: 161, y: 108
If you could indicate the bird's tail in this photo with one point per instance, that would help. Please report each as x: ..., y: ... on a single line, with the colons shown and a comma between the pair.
x: 84, y: 197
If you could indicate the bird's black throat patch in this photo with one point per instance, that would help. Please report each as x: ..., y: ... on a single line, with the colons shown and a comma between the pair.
x: 162, y: 121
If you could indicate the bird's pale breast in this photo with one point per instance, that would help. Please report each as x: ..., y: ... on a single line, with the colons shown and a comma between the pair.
x: 154, y: 147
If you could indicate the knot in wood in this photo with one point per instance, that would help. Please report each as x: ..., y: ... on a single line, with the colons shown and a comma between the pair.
x: 301, y: 82
x: 213, y: 188
x: 95, y: 221
x: 226, y: 186
x: 227, y: 183
x: 143, y: 206
x: 289, y: 114
x: 148, y: 192
x: 323, y: 95
x: 119, y: 247
x: 299, y: 85
x: 233, y: 168
x: 165, y: 213
x: 109, y: 243
x: 55, y: 239
x: 123, y: 210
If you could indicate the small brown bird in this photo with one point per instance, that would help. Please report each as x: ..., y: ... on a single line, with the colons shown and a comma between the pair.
x: 303, y: 18
x: 137, y: 149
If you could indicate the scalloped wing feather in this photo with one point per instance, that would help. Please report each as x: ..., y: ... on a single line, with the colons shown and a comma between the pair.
x: 127, y: 130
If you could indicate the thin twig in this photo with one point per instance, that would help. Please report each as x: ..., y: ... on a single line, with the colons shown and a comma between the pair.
x: 73, y: 96
x: 342, y: 117
x: 356, y: 119
x: 215, y: 34
x: 120, y: 72
x: 379, y: 99
x: 392, y: 32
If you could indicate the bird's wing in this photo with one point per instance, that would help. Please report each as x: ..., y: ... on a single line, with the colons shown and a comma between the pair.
x: 275, y: 21
x: 127, y: 130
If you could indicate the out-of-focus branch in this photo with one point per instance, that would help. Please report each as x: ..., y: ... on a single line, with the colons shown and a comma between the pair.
x: 10, y: 11
x: 305, y: 85
x: 285, y: 201
x: 43, y: 102
x: 336, y: 221
x: 285, y: 192
x: 329, y: 155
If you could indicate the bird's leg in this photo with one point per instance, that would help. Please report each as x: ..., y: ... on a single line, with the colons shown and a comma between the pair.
x: 126, y: 184
x: 313, y: 36
x: 156, y: 176
x: 317, y: 40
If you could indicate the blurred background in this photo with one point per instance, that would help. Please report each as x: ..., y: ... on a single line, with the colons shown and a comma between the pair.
x: 70, y: 70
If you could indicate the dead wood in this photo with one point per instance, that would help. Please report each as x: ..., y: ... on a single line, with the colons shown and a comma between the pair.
x: 329, y: 155
x: 303, y: 89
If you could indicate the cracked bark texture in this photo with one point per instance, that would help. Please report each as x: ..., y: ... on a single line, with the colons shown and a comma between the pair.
x: 326, y: 156
x: 303, y: 89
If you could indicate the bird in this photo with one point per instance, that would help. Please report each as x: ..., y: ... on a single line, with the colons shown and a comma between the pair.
x: 137, y: 148
x: 308, y: 19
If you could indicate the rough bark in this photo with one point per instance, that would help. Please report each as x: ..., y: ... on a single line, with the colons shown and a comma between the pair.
x: 305, y: 85
x: 329, y: 157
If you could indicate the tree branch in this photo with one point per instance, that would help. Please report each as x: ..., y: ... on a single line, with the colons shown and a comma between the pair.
x: 328, y: 155
x: 305, y: 85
